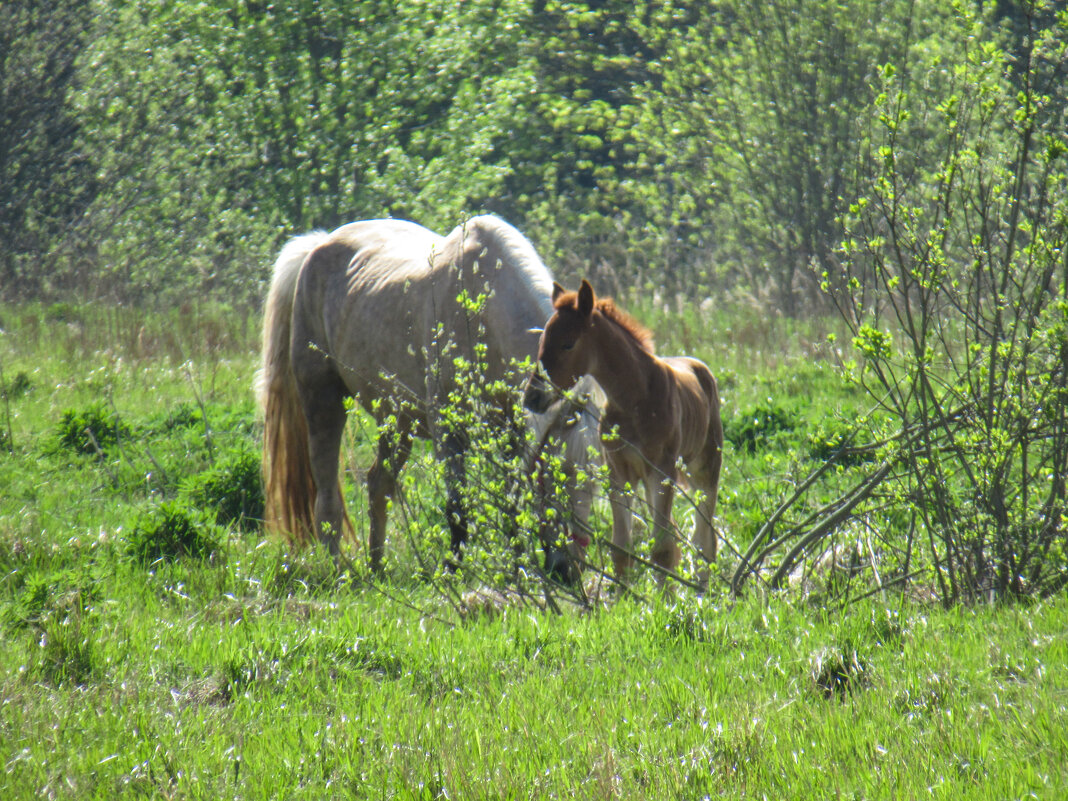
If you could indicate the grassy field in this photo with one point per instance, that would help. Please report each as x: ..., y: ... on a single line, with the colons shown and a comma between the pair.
x: 215, y: 664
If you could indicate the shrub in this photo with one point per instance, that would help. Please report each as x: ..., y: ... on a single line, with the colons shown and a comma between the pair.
x: 751, y: 430
x: 184, y: 415
x: 53, y: 607
x: 232, y: 489
x: 17, y: 386
x: 169, y: 532
x: 62, y: 312
x: 105, y: 427
x: 67, y: 654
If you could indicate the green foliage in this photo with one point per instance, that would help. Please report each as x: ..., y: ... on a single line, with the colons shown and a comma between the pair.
x: 170, y: 531
x: 94, y: 428
x: 959, y: 250
x: 231, y: 489
x: 752, y: 429
x: 707, y: 149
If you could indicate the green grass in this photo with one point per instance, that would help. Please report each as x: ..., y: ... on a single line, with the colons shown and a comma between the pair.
x: 249, y: 672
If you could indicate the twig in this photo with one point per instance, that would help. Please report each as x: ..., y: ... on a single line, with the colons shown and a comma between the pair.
x: 100, y: 453
x: 748, y: 565
x: 829, y: 523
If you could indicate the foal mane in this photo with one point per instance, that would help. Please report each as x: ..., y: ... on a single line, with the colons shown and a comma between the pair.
x: 641, y: 335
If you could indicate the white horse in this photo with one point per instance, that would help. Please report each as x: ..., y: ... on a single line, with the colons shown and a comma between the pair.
x: 569, y: 430
x: 372, y: 311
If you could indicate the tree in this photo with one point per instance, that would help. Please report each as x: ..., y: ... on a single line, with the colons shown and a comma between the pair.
x: 44, y: 180
x: 218, y: 132
x: 569, y: 146
x: 955, y: 285
x: 755, y: 128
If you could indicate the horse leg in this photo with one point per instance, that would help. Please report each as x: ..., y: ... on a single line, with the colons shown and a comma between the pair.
x: 324, y: 408
x: 455, y: 514
x: 394, y: 448
x: 661, y: 494
x: 704, y: 532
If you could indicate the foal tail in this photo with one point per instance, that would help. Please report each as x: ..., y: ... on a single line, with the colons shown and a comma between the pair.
x: 288, y: 486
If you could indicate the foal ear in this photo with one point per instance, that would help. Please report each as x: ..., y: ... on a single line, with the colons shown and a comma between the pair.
x: 557, y: 291
x: 585, y: 298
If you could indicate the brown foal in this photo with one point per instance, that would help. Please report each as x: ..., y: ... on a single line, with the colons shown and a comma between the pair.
x: 659, y: 412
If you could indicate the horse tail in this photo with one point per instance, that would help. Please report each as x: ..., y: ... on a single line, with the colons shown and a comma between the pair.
x: 289, y: 491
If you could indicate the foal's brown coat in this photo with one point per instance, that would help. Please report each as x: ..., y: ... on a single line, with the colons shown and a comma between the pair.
x: 659, y: 411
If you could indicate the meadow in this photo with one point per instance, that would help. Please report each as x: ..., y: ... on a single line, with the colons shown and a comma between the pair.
x: 157, y: 644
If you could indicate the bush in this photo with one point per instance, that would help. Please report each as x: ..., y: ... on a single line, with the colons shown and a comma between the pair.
x: 170, y: 532
x: 750, y: 430
x: 59, y: 594
x: 232, y: 489
x: 952, y: 283
x: 17, y: 386
x: 79, y: 428
x: 184, y: 415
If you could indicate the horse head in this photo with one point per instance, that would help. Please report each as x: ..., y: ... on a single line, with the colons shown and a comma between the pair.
x: 562, y: 360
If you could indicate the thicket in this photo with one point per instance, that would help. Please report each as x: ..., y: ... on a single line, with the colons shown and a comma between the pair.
x: 152, y: 151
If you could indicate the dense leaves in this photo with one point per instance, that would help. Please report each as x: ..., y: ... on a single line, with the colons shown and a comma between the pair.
x: 154, y: 151
x: 46, y: 179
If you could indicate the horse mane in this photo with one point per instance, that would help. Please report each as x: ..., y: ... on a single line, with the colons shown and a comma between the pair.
x: 516, y: 251
x: 641, y: 335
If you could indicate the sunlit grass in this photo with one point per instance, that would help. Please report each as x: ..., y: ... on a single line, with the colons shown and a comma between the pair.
x: 253, y: 672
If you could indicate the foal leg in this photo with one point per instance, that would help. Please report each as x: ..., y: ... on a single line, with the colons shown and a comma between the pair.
x: 704, y: 537
x: 661, y: 493
x: 394, y: 448
x: 704, y: 533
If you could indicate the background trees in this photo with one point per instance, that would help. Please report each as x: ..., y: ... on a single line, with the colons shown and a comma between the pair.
x: 697, y: 147
x: 45, y: 177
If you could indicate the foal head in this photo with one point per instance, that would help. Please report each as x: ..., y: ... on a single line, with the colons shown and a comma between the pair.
x: 567, y: 351
x: 561, y: 352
